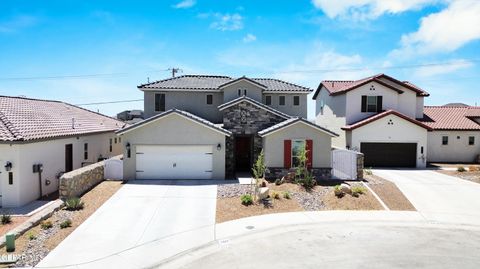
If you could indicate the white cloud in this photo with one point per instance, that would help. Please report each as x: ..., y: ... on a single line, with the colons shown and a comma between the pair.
x: 249, y: 38
x: 227, y: 22
x: 17, y: 23
x: 435, y: 70
x: 368, y: 9
x: 185, y: 4
x: 445, y: 31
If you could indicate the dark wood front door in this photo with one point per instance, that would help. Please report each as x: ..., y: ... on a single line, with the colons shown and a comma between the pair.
x: 68, y: 157
x: 243, y: 153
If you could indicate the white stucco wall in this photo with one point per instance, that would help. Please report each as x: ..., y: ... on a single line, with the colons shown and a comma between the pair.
x: 402, y: 131
x: 50, y: 153
x: 457, y: 150
x: 273, y: 145
x: 231, y: 91
x: 173, y: 130
x: 332, y: 116
x: 289, y: 108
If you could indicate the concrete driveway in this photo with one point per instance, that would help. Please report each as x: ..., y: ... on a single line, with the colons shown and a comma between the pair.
x: 436, y: 196
x: 144, y: 222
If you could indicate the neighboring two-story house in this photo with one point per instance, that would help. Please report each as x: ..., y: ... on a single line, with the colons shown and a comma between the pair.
x: 210, y: 127
x: 377, y: 116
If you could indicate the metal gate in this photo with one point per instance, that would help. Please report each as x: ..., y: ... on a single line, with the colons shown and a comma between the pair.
x: 344, y: 164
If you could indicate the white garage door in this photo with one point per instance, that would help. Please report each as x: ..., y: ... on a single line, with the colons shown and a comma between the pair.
x: 174, y: 162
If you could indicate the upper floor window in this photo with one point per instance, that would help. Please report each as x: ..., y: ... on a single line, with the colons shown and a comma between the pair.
x: 372, y: 103
x: 110, y: 146
x: 296, y: 100
x: 268, y: 100
x: 245, y: 92
x: 159, y: 102
x: 444, y: 140
x: 242, y: 92
x: 471, y: 140
x: 281, y: 100
x: 209, y: 99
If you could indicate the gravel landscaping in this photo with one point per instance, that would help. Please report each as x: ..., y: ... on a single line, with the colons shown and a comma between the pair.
x: 321, y: 197
x: 467, y: 175
x: 36, y: 243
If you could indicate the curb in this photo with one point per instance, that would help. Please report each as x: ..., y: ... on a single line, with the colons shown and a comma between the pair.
x: 34, y: 220
x: 376, y: 196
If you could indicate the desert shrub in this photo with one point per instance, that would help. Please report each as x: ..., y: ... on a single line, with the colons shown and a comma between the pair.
x: 308, y: 182
x: 65, y: 224
x: 357, y: 190
x: 278, y: 181
x: 368, y: 171
x: 461, y: 169
x: 275, y: 195
x: 473, y: 168
x: 31, y: 235
x: 46, y: 225
x: 338, y: 191
x: 6, y: 219
x: 287, y: 195
x: 74, y: 203
x: 247, y: 199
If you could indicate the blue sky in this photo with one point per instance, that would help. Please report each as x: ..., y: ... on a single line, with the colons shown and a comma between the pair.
x: 124, y: 42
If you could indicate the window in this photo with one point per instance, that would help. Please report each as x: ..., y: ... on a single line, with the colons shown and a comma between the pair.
x: 115, y: 140
x: 119, y: 140
x: 85, y: 151
x: 209, y: 99
x: 239, y: 92
x: 245, y: 92
x: 471, y: 140
x: 444, y: 140
x: 281, y: 100
x: 159, y: 102
x: 268, y: 100
x: 297, y: 146
x: 296, y: 100
x: 10, y: 178
x: 372, y: 103
x: 111, y: 145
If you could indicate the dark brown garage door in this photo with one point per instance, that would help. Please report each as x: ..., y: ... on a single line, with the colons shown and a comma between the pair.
x: 389, y: 154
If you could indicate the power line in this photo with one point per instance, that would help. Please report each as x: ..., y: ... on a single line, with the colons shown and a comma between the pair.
x: 110, y: 102
x: 83, y: 76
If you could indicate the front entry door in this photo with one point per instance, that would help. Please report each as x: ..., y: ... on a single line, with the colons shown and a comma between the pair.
x: 243, y: 149
x: 68, y: 158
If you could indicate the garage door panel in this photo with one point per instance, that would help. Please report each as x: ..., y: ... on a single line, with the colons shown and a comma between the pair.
x: 174, y: 162
x: 389, y: 154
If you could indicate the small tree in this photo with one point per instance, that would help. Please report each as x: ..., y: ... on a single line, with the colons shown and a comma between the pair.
x: 304, y: 177
x: 259, y: 171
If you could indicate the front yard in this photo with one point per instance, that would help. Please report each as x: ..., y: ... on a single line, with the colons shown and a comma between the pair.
x: 289, y: 197
x: 37, y: 242
x: 470, y: 172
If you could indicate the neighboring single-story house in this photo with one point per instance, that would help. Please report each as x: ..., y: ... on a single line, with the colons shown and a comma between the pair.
x: 456, y: 133
x: 41, y: 139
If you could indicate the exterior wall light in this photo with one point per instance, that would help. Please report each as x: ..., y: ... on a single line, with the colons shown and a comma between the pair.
x: 8, y: 166
x: 219, y: 146
x: 128, y: 148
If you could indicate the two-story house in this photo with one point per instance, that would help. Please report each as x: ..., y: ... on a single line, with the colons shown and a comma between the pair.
x: 210, y: 127
x: 377, y: 116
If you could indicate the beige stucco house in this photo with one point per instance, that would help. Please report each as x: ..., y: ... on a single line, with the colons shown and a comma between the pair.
x: 211, y: 127
x: 57, y: 136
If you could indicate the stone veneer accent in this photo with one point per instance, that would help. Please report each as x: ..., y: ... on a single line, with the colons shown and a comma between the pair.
x: 360, y: 160
x: 79, y: 181
x: 273, y: 173
x: 245, y: 119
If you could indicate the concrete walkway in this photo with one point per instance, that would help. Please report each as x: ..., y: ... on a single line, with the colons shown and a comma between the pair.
x: 436, y: 196
x: 143, y: 223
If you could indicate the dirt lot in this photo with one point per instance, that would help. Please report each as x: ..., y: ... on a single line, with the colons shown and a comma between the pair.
x: 389, y: 193
x: 33, y: 250
x: 471, y: 176
x: 322, y: 197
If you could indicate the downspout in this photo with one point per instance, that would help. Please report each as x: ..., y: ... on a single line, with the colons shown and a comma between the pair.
x: 40, y: 182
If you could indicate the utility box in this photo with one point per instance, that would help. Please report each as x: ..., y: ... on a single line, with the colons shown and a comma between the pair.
x: 10, y: 242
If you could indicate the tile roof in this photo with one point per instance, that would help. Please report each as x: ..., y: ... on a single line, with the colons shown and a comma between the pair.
x: 384, y: 114
x: 205, y: 82
x: 253, y: 102
x: 179, y: 112
x: 25, y: 119
x: 451, y: 117
x: 335, y: 87
x: 291, y: 121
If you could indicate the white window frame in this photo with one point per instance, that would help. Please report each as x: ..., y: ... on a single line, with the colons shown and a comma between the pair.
x: 304, y: 141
